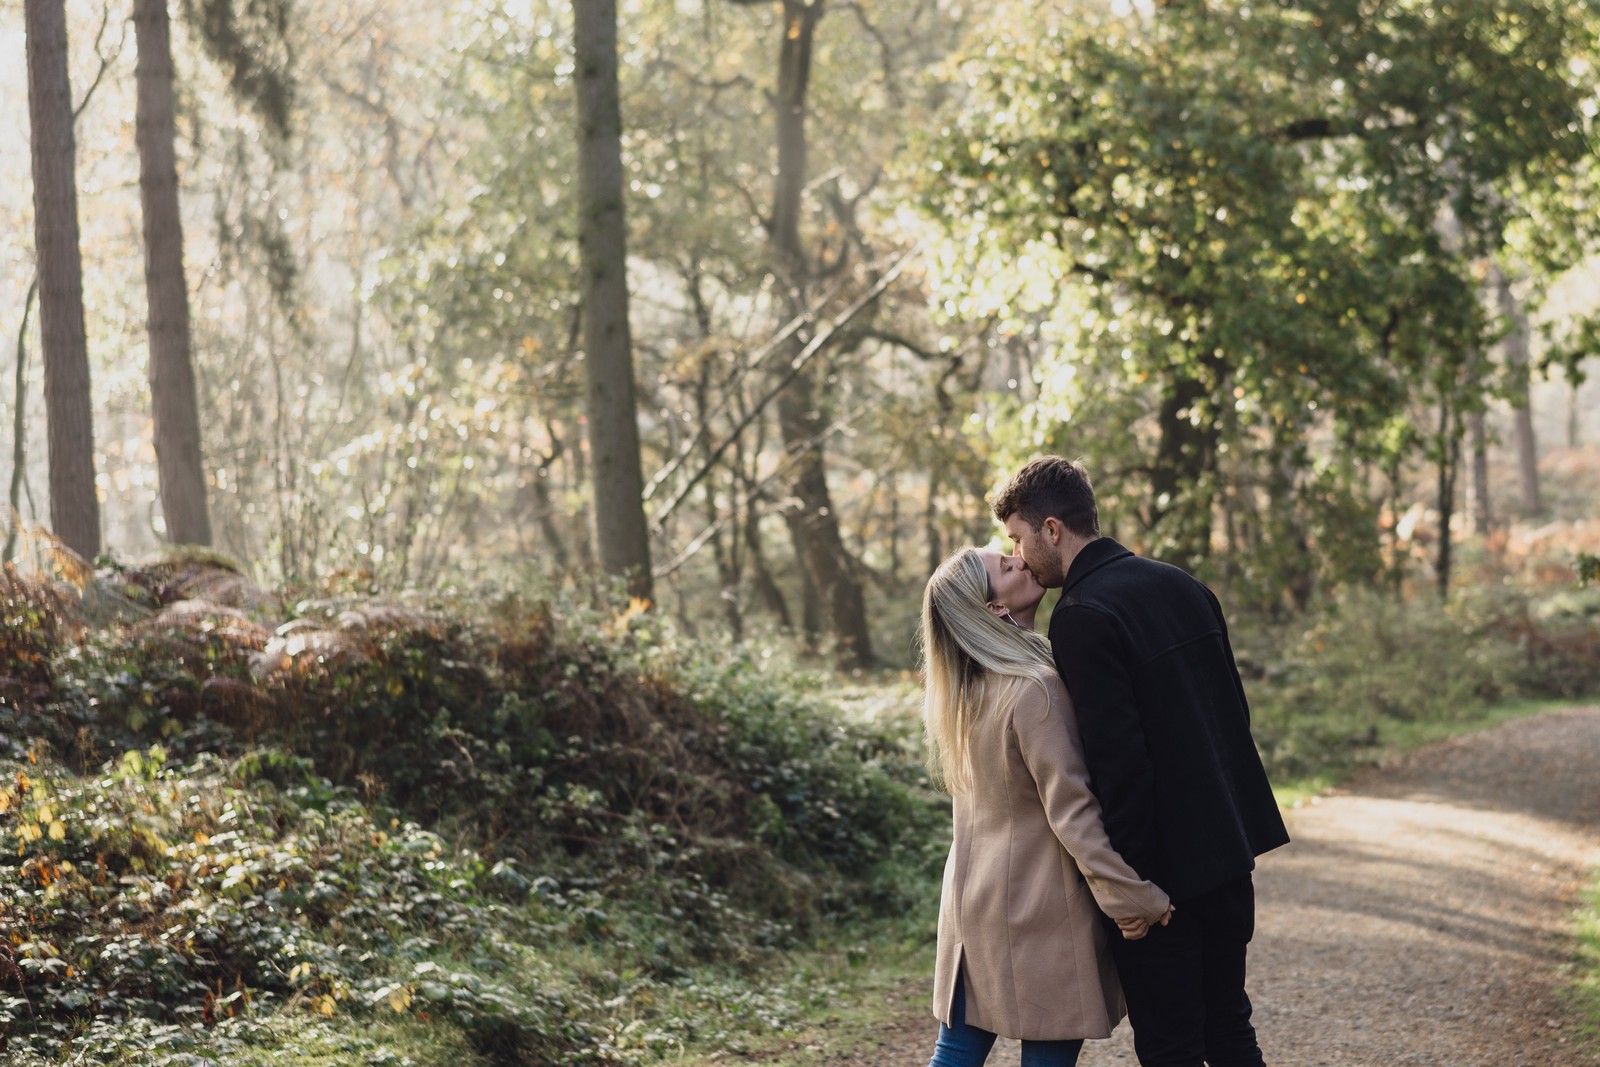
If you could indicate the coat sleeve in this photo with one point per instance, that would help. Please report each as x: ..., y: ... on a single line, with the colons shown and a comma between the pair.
x: 1047, y: 737
x: 1091, y: 658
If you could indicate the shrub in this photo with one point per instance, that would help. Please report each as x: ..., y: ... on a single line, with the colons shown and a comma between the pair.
x: 1556, y: 639
x: 265, y: 816
x: 1325, y: 687
x: 1322, y: 690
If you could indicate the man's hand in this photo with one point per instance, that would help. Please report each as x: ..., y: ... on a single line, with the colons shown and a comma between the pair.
x: 1134, y: 929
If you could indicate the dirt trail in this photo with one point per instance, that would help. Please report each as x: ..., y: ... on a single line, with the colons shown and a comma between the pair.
x: 1420, y: 919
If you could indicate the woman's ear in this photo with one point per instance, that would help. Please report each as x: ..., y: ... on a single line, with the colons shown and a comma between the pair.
x: 997, y: 609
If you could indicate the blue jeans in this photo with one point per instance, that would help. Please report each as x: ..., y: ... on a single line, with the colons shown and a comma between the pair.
x: 961, y: 1045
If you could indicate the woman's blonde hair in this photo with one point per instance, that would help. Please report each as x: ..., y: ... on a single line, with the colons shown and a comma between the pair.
x: 972, y: 661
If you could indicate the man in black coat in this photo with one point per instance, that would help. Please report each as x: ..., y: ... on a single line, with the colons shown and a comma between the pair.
x: 1143, y: 649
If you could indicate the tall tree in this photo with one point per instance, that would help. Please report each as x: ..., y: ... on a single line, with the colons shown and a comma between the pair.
x: 616, y: 476
x: 827, y: 568
x: 1516, y: 347
x: 1478, y: 433
x: 74, y: 507
x: 172, y: 383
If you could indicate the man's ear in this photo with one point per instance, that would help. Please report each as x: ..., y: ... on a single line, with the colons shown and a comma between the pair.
x: 1053, y: 530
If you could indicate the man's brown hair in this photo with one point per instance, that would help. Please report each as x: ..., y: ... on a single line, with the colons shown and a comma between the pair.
x: 1051, y: 487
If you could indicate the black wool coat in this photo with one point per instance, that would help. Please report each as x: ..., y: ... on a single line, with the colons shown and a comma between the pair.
x: 1143, y: 649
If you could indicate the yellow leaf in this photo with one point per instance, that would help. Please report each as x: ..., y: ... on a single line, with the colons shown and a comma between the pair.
x: 400, y: 999
x: 58, y: 831
x: 46, y: 814
x: 8, y: 800
x: 325, y: 1005
x: 29, y: 832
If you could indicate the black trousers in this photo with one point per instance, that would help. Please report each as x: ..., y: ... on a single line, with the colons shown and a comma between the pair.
x: 1184, y: 983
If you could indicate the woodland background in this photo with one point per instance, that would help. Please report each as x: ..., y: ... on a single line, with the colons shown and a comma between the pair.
x: 494, y: 450
x: 1282, y: 277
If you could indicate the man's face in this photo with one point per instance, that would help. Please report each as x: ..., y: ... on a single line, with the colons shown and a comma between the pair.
x: 1039, y: 549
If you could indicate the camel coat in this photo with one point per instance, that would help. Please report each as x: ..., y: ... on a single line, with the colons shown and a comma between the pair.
x: 1014, y: 914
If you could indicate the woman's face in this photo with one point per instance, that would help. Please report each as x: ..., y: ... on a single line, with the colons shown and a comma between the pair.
x: 1010, y: 584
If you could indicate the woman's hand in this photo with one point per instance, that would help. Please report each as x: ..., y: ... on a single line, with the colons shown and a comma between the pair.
x: 1134, y: 929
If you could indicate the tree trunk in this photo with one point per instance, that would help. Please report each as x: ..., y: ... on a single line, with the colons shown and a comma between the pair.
x: 1180, y: 505
x: 1516, y: 345
x: 74, y: 505
x: 1449, y: 461
x: 173, y: 400
x: 1477, y: 430
x: 19, y: 426
x: 825, y: 564
x: 1298, y: 569
x: 766, y: 585
x: 617, y: 478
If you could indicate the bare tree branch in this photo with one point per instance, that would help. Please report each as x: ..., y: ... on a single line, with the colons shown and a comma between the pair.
x: 891, y: 83
x: 756, y: 359
x: 815, y: 345
x: 105, y: 60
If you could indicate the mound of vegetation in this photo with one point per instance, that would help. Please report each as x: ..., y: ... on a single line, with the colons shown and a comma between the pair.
x: 498, y: 834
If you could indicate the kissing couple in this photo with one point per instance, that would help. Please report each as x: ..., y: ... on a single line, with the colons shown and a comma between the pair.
x: 1113, y: 756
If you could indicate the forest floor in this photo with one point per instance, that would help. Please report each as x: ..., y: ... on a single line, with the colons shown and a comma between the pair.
x: 1422, y: 916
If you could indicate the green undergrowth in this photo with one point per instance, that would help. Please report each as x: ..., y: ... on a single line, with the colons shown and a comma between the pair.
x: 893, y: 986
x: 477, y: 831
x: 1336, y: 690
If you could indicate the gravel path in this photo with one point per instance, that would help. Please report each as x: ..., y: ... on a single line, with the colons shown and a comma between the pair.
x: 1420, y: 919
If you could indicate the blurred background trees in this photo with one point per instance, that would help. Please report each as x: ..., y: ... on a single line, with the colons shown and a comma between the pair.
x: 1308, y: 286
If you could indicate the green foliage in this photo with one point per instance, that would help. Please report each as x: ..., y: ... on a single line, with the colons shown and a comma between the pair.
x: 34, y: 618
x: 1339, y: 685
x: 1231, y: 225
x: 1588, y: 568
x: 186, y: 895
x: 251, y: 41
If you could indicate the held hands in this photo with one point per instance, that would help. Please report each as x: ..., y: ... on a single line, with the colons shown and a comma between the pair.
x: 1134, y: 929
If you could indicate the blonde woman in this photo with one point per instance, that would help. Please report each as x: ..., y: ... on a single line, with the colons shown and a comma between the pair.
x: 1022, y: 948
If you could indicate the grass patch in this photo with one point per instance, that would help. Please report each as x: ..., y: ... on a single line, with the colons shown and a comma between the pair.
x: 1396, y: 736
x: 1399, y: 736
x: 283, y: 1036
x: 866, y: 987
x: 1584, y: 991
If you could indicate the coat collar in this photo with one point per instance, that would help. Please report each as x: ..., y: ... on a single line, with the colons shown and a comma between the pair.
x: 1090, y: 558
